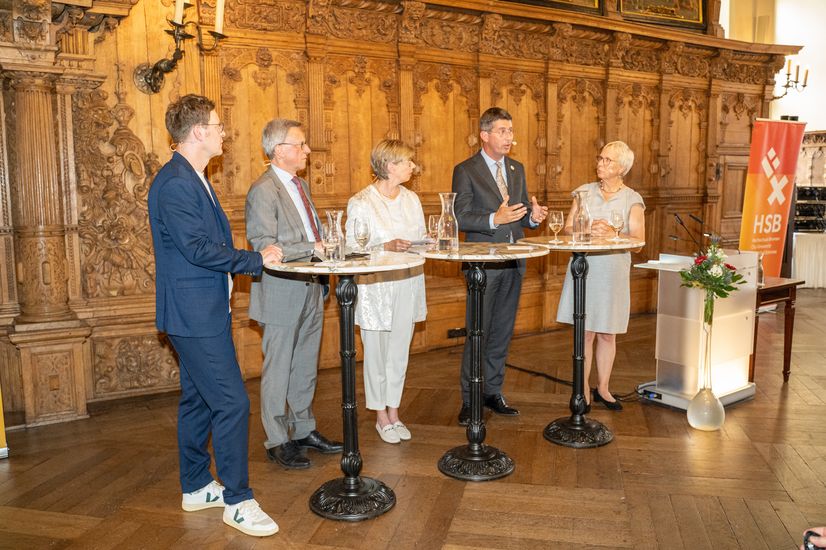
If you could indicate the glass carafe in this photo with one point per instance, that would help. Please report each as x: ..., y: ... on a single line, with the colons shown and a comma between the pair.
x: 334, y: 220
x: 582, y: 218
x: 448, y: 224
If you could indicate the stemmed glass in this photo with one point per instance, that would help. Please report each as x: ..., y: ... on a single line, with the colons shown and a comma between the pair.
x: 433, y: 227
x: 361, y: 228
x: 555, y: 222
x: 617, y: 222
x: 330, y: 241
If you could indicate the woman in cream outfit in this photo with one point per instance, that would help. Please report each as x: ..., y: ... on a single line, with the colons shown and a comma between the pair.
x: 389, y: 304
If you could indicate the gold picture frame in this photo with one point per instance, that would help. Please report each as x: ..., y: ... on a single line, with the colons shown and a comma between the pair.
x: 588, y: 6
x: 679, y: 13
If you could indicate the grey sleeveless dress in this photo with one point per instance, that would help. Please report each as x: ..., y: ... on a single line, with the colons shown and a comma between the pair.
x: 607, y: 286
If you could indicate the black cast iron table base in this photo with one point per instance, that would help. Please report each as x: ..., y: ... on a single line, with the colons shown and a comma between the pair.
x: 475, y: 461
x: 353, y: 497
x: 576, y: 430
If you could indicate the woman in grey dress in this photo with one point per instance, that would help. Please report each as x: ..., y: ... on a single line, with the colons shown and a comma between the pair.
x: 607, y: 285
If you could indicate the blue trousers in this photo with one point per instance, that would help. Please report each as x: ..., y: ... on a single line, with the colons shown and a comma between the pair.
x: 213, y: 400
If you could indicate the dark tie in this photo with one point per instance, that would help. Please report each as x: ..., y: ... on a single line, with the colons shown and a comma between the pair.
x: 307, y: 207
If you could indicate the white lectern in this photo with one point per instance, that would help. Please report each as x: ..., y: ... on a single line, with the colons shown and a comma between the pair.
x: 679, y: 349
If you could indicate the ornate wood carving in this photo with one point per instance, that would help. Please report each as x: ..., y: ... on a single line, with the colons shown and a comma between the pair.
x: 267, y: 15
x: 450, y: 31
x: 364, y: 20
x: 446, y: 76
x: 129, y: 363
x: 114, y: 173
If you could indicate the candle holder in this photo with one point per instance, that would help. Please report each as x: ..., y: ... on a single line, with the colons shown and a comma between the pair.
x: 793, y: 84
x: 149, y: 77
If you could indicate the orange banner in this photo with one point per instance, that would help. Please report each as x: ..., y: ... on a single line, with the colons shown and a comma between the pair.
x: 775, y: 145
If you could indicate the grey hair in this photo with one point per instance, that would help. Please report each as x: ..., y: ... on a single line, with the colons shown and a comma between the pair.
x: 626, y: 155
x: 489, y: 117
x: 387, y: 151
x: 275, y: 132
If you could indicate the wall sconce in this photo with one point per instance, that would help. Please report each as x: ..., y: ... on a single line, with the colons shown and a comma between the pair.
x: 793, y: 84
x: 149, y: 78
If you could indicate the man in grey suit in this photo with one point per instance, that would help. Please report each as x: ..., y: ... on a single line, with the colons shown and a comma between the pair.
x: 288, y: 306
x: 492, y: 206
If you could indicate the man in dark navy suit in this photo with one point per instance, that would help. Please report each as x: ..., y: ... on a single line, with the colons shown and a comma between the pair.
x: 492, y: 206
x: 195, y: 260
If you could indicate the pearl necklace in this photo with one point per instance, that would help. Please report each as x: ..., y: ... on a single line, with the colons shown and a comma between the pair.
x: 603, y: 188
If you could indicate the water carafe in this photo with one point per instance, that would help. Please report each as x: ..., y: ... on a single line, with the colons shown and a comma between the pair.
x: 582, y: 218
x: 448, y: 224
x: 334, y: 222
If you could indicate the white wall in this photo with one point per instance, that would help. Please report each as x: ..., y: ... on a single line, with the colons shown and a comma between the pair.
x: 803, y: 22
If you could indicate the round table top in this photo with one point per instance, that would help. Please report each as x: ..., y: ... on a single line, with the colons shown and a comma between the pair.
x: 485, y: 252
x: 596, y: 244
x: 377, y: 261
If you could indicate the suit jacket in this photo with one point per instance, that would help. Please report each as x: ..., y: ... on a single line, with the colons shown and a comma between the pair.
x: 272, y: 218
x: 193, y: 253
x: 477, y: 197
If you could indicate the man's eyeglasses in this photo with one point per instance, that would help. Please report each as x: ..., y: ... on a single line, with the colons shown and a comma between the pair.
x: 220, y: 126
x: 604, y: 160
x: 299, y: 145
x: 501, y: 132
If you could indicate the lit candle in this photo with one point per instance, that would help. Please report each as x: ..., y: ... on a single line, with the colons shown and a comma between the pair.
x: 179, y: 11
x: 789, y: 67
x: 219, y: 17
x: 796, y: 73
x: 806, y: 78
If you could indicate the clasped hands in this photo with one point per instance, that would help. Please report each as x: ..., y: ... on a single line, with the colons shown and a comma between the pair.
x: 272, y: 254
x: 601, y: 228
x: 511, y: 213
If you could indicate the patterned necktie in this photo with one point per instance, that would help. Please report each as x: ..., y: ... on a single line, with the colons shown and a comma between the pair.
x: 307, y: 207
x: 500, y: 180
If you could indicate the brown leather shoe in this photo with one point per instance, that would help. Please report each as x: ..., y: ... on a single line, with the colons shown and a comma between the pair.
x: 289, y: 456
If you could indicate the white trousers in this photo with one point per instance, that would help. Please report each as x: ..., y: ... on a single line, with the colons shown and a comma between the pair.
x: 385, y: 357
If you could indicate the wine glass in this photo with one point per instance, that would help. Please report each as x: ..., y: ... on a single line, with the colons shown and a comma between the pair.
x: 555, y: 222
x: 329, y: 241
x: 433, y: 227
x: 361, y: 228
x: 617, y: 222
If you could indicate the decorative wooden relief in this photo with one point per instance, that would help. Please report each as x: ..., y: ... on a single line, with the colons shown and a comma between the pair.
x: 590, y: 6
x: 129, y: 363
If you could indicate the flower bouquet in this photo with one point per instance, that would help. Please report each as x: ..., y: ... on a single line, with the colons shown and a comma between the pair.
x: 711, y: 274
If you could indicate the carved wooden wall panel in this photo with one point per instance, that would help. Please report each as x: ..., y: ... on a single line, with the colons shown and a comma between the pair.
x: 581, y: 123
x: 354, y: 72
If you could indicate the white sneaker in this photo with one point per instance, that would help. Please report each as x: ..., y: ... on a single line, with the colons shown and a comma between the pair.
x: 402, y: 431
x: 248, y: 517
x: 388, y: 434
x: 210, y: 496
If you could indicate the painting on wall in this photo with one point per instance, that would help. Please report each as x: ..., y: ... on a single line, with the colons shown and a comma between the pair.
x: 681, y: 13
x: 590, y: 6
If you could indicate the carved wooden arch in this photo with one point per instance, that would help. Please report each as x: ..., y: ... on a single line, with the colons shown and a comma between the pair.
x: 445, y: 76
x: 360, y: 71
x: 687, y: 101
x: 637, y: 97
x: 518, y: 84
x: 578, y: 90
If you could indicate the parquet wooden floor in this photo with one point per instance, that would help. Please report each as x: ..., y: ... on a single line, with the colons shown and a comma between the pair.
x: 111, y: 481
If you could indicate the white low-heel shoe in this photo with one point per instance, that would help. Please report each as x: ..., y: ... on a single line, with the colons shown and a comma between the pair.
x: 402, y: 431
x: 388, y: 434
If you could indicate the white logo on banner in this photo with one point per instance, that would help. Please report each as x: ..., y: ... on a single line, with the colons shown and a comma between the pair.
x: 770, y: 164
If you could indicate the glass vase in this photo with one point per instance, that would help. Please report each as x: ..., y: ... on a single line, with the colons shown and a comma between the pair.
x: 705, y: 411
x: 448, y: 224
x: 334, y: 220
x: 582, y: 218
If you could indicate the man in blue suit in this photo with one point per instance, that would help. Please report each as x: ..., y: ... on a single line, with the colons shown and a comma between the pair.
x: 195, y: 260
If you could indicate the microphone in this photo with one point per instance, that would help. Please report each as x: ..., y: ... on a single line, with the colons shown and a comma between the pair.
x: 696, y: 219
x: 680, y: 222
x: 513, y: 142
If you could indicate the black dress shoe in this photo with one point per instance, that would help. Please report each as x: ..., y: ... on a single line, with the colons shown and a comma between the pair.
x: 611, y: 405
x: 497, y: 404
x: 464, y: 415
x: 320, y: 443
x: 289, y: 456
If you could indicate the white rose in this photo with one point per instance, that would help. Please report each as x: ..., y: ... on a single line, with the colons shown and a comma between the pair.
x: 716, y: 270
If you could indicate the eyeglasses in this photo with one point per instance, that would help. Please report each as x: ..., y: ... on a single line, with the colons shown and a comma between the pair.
x: 299, y: 145
x: 501, y: 132
x: 604, y: 160
x: 220, y: 126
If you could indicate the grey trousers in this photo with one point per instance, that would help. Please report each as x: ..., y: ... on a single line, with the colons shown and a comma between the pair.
x: 288, y: 378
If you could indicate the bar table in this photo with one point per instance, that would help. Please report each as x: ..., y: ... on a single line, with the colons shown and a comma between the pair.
x: 477, y: 461
x: 353, y: 497
x: 577, y: 431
